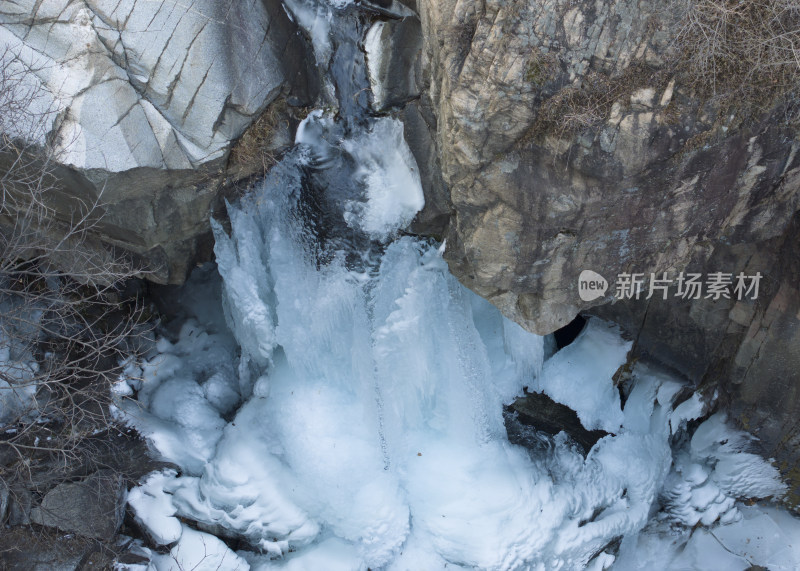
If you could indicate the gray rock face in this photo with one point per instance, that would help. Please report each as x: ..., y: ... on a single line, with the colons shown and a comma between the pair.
x: 544, y: 415
x: 419, y: 124
x: 568, y: 144
x: 93, y: 507
x: 393, y: 59
x: 143, y: 100
x: 748, y: 352
x: 148, y: 84
x: 535, y: 203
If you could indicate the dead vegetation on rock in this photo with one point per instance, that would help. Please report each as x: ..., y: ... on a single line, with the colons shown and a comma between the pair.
x: 733, y: 48
x: 67, y: 323
x: 743, y: 57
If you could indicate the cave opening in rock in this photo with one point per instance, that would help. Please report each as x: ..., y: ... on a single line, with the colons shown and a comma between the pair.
x: 569, y: 332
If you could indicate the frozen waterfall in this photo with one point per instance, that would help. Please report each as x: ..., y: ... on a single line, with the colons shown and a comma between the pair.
x: 338, y: 403
x: 360, y: 423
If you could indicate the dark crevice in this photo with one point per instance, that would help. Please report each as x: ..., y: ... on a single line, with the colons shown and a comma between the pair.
x: 567, y: 334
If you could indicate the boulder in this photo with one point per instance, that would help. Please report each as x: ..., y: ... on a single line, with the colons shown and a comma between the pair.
x: 92, y: 507
x: 543, y: 414
x: 142, y: 102
x: 37, y: 549
x: 20, y: 502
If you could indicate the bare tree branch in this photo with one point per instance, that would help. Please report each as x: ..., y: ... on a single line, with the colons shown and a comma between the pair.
x: 64, y: 329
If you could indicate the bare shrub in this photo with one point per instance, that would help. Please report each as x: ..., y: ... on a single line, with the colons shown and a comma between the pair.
x: 63, y: 330
x: 575, y: 109
x: 745, y: 55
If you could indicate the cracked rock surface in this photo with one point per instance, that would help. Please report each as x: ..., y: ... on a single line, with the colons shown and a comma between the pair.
x: 147, y: 84
x: 143, y: 100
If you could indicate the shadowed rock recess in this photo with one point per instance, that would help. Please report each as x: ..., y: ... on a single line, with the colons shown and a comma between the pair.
x: 551, y: 137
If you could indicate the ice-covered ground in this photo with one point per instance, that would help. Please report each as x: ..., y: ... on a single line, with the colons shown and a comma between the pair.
x: 353, y: 419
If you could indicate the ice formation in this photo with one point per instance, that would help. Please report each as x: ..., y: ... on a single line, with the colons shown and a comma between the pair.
x: 368, y: 427
x: 315, y: 18
x: 374, y: 50
x: 349, y: 411
x: 388, y: 171
x: 598, y: 401
x: 712, y: 472
x: 18, y: 367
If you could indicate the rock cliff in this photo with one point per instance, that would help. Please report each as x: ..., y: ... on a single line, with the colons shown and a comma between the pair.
x: 574, y: 136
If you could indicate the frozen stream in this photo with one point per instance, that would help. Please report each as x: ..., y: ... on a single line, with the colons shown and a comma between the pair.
x: 336, y: 400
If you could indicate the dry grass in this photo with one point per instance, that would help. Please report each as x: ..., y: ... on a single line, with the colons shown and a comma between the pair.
x: 575, y: 109
x: 744, y: 55
x: 743, y: 50
x: 253, y: 148
x: 542, y: 68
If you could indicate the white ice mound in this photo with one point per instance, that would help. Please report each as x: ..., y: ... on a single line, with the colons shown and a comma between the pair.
x: 580, y: 375
x: 381, y: 414
x: 183, y: 391
x: 388, y: 189
x: 389, y: 173
x: 713, y: 472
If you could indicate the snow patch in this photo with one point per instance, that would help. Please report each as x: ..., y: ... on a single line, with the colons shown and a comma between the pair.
x: 373, y: 46
x: 580, y: 375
